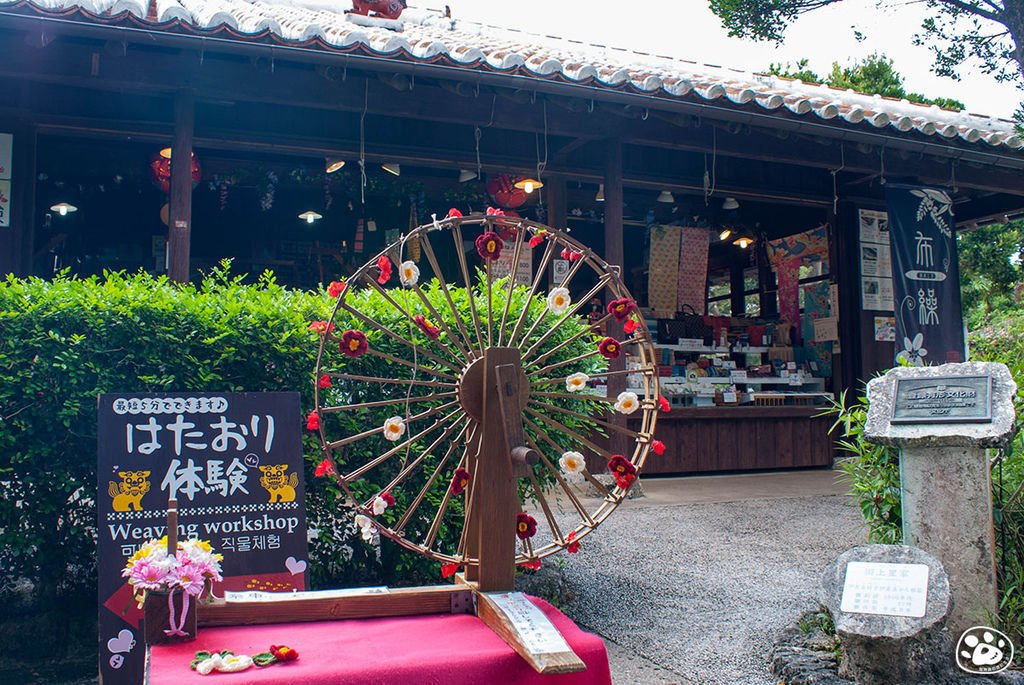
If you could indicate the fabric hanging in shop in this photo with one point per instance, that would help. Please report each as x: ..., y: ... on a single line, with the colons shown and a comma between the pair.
x: 926, y: 277
x: 817, y: 305
x: 788, y: 270
x: 663, y: 277
x: 812, y: 243
x: 693, y: 268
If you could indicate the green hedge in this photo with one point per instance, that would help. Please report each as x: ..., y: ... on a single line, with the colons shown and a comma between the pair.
x: 65, y: 341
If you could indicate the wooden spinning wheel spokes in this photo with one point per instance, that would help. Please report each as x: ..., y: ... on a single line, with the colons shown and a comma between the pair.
x: 428, y: 374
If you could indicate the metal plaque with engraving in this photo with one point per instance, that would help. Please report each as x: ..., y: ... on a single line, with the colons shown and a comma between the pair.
x: 943, y: 399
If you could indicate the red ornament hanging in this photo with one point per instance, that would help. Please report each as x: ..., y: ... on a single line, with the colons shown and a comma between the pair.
x: 160, y: 170
x: 503, y: 189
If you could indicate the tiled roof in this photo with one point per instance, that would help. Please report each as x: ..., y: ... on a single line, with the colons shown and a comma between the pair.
x: 425, y: 35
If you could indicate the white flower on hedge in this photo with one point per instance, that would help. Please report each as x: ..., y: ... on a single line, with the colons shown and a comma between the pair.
x: 409, y: 274
x: 379, y: 505
x: 366, y: 528
x: 394, y: 428
x: 559, y: 300
x: 576, y: 382
x: 572, y: 465
x: 627, y: 403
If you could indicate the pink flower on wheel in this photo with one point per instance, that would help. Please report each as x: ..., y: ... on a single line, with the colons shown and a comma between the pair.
x: 489, y: 245
x: 526, y: 526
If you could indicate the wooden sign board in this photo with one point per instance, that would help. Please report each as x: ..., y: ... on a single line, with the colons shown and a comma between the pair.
x: 943, y: 399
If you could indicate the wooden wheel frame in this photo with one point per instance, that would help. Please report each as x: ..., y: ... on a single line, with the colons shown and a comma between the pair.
x: 487, y: 394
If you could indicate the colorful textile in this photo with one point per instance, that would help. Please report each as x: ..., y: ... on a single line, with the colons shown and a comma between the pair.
x: 817, y: 305
x: 788, y: 270
x: 663, y: 278
x: 454, y: 649
x: 693, y: 268
x: 812, y: 243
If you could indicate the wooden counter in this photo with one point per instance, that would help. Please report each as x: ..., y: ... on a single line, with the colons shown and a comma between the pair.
x: 705, y: 439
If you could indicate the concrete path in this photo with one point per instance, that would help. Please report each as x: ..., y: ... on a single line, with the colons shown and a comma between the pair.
x: 691, y: 583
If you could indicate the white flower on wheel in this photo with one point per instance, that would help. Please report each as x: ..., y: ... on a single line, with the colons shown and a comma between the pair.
x: 366, y: 528
x: 394, y: 428
x: 379, y: 505
x: 627, y: 402
x: 576, y: 382
x: 572, y: 465
x: 559, y: 300
x: 409, y: 274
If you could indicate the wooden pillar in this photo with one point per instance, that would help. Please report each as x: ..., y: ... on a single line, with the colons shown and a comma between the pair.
x: 17, y: 239
x: 614, y: 254
x: 179, y: 237
x: 558, y: 209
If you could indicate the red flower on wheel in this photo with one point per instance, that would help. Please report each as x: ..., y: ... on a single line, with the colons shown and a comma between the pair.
x: 388, y: 498
x: 454, y: 214
x: 659, y: 447
x: 663, y: 404
x: 323, y: 468
x: 313, y: 421
x: 324, y: 381
x: 459, y: 481
x: 526, y: 526
x: 630, y: 326
x: 429, y: 329
x: 571, y: 255
x: 621, y: 308
x: 538, y: 238
x: 321, y: 327
x: 532, y: 565
x: 449, y: 570
x: 574, y: 546
x: 489, y: 245
x: 336, y: 288
x: 353, y: 344
x: 610, y: 348
x: 622, y: 470
x: 384, y: 264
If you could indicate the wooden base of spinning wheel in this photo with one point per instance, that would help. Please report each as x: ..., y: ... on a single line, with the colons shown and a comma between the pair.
x: 493, y: 390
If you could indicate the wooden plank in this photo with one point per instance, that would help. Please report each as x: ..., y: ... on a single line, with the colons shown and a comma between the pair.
x: 545, y: 662
x: 746, y: 445
x: 436, y: 599
x: 728, y: 444
x: 179, y: 234
x: 783, y: 441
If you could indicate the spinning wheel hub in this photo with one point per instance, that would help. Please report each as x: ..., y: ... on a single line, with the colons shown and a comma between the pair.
x: 471, y: 386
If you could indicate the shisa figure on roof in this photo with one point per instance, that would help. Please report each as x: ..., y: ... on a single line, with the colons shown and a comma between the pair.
x: 385, y: 9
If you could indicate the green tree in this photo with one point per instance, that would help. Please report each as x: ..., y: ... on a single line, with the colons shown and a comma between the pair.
x: 873, y: 74
x: 990, y: 271
x: 990, y: 30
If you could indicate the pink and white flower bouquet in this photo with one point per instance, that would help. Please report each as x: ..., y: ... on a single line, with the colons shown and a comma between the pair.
x: 151, y: 568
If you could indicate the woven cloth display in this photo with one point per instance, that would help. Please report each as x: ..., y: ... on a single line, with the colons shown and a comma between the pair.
x: 693, y: 268
x: 663, y: 280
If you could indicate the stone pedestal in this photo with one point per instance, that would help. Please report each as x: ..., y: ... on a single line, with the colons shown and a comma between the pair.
x: 884, y: 649
x: 945, y: 481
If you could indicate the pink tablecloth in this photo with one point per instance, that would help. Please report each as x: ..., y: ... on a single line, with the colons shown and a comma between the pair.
x: 415, y: 650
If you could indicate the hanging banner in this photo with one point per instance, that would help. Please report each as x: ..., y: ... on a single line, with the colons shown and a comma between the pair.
x: 926, y: 277
x: 234, y: 463
x: 693, y: 268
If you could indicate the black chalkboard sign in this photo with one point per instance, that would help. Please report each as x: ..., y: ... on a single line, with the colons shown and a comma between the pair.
x: 233, y: 461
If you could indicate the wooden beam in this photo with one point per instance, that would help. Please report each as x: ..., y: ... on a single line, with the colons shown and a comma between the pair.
x: 615, y: 255
x: 180, y: 230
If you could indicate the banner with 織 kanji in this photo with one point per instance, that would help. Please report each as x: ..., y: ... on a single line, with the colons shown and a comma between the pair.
x: 926, y: 276
x: 233, y: 461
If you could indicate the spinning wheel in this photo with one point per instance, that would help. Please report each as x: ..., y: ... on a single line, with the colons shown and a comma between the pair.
x: 472, y: 397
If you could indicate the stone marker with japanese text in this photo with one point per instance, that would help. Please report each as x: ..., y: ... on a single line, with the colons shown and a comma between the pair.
x: 234, y: 463
x: 942, y: 419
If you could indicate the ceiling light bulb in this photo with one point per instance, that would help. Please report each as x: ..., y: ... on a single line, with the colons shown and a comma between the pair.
x: 63, y: 208
x: 309, y: 216
x: 743, y: 242
x: 528, y: 184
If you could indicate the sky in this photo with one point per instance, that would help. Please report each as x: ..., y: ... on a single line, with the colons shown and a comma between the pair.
x: 688, y: 29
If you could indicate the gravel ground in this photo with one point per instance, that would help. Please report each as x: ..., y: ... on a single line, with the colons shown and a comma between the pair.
x: 696, y: 593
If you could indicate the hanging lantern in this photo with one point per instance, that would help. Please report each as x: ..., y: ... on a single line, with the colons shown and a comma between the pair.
x: 504, y: 191
x: 160, y: 170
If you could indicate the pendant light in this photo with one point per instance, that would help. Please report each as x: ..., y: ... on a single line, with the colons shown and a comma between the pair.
x: 600, y: 193
x: 743, y: 240
x: 528, y: 184
x: 466, y: 175
x: 726, y: 232
x: 666, y: 197
x: 393, y: 168
x: 730, y: 204
x: 63, y: 208
x: 332, y: 164
x: 309, y: 216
